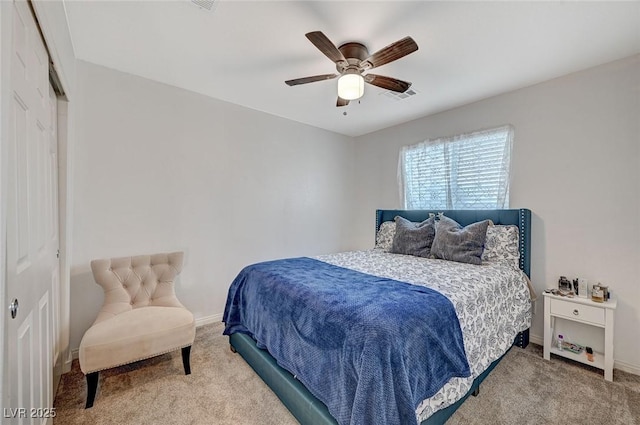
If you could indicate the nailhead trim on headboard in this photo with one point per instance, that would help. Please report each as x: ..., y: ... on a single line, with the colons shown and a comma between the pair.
x: 521, y: 246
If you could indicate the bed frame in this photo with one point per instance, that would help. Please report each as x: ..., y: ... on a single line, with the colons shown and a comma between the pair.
x: 306, y: 408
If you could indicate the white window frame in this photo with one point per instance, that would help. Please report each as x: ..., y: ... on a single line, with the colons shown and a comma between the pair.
x: 466, y: 171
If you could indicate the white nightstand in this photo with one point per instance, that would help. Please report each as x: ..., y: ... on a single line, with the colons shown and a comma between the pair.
x: 585, y: 311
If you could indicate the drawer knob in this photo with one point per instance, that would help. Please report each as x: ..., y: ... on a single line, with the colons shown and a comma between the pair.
x: 576, y: 312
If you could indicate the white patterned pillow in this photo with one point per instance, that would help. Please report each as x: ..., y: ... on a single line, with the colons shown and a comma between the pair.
x: 501, y: 245
x: 384, y: 237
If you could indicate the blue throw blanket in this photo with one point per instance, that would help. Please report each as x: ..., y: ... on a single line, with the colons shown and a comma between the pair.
x: 368, y: 347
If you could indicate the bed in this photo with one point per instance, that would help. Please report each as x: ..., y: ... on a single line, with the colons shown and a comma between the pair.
x: 455, y: 379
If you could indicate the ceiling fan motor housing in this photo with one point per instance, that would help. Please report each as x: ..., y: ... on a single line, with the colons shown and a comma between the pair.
x: 354, y: 53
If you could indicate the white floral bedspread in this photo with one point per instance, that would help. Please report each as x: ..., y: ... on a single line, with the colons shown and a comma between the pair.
x: 492, y: 302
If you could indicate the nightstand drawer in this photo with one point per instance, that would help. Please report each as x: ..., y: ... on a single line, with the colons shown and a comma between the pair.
x: 579, y: 312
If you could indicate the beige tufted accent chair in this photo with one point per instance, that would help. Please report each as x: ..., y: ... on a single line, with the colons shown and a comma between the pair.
x: 140, y: 318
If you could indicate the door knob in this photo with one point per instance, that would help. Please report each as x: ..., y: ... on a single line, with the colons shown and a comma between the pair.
x: 13, y: 308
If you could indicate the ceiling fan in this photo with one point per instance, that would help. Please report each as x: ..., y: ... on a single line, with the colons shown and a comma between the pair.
x: 352, y: 59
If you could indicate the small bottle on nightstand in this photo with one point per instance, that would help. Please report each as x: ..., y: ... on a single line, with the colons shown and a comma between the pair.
x: 560, y: 339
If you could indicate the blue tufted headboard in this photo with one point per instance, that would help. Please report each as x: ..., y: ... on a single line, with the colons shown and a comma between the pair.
x: 520, y: 217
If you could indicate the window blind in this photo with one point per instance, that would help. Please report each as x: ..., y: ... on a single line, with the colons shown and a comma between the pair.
x: 467, y: 171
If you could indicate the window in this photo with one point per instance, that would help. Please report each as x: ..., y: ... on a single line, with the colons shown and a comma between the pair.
x: 468, y: 171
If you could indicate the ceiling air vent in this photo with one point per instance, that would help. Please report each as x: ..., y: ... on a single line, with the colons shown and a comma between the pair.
x: 400, y: 96
x: 204, y: 4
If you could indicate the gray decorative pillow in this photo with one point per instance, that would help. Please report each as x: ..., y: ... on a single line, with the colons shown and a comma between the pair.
x: 413, y: 238
x: 384, y: 237
x: 501, y: 245
x: 455, y: 243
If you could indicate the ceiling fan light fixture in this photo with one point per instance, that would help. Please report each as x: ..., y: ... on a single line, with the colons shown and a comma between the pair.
x: 351, y: 85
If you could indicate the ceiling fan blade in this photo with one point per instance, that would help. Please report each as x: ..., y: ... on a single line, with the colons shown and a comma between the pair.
x: 312, y: 79
x: 390, y: 53
x: 387, y: 82
x: 326, y: 46
x: 342, y: 102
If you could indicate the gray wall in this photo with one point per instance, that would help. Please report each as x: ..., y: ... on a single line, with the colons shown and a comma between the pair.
x: 575, y: 164
x: 159, y: 168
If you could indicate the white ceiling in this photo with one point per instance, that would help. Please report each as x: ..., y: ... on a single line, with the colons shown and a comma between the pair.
x: 243, y: 51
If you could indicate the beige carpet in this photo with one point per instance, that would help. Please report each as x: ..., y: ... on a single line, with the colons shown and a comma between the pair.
x: 223, y: 389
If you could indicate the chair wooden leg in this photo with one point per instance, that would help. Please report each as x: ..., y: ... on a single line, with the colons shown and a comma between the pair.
x: 186, y: 352
x: 92, y: 386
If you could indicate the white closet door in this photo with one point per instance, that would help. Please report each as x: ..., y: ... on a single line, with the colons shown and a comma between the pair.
x: 32, y: 228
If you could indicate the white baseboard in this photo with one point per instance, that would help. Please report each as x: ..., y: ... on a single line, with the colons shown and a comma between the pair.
x: 626, y: 367
x: 66, y: 366
x: 538, y: 340
x: 617, y: 364
x: 207, y: 320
